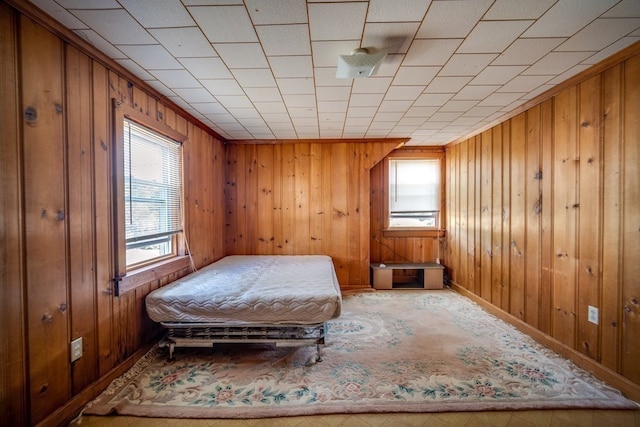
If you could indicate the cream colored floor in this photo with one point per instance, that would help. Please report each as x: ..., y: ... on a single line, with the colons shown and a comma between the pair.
x: 595, y: 418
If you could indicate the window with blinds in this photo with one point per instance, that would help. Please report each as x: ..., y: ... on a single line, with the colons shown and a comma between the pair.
x: 414, y: 193
x: 152, y: 193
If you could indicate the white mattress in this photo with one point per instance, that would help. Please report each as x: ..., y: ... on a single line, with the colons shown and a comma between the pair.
x: 252, y: 289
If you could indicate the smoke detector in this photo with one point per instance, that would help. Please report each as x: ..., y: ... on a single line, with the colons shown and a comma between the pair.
x: 360, y: 63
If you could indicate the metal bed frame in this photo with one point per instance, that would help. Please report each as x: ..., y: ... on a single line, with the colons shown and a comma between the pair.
x: 208, y: 334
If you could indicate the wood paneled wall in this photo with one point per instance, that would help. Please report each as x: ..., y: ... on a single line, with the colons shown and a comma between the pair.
x: 303, y: 198
x: 55, y: 219
x: 544, y: 216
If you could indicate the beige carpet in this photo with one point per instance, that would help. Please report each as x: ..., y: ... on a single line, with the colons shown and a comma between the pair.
x: 390, y: 351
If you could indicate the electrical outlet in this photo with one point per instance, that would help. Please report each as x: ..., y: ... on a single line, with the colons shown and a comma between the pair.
x: 76, y: 349
x: 592, y: 315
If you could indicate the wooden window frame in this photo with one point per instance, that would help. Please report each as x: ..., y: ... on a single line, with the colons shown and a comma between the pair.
x: 408, y: 154
x: 124, y: 279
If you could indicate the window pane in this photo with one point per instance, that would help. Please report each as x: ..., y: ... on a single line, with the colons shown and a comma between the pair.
x: 153, y: 192
x: 414, y: 192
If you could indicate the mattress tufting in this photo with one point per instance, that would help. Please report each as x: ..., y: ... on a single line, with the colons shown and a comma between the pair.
x: 252, y: 289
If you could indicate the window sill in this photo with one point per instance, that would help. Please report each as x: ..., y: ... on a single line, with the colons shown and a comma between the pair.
x: 144, y: 275
x: 412, y: 232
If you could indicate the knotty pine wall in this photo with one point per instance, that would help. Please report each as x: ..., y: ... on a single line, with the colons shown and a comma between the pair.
x: 544, y: 216
x: 303, y: 198
x: 55, y: 220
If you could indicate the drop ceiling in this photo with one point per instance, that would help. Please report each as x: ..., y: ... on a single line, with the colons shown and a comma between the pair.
x: 265, y: 69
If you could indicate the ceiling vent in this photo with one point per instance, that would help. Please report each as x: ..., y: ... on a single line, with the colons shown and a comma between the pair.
x: 360, y: 63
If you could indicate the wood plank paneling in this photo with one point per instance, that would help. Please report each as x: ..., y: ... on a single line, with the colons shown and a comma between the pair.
x: 13, y: 363
x: 565, y: 176
x: 485, y: 246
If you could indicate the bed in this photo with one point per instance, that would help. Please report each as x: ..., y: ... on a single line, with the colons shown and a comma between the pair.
x: 285, y: 300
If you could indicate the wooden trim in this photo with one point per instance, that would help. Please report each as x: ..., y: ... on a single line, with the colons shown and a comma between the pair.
x: 147, y: 274
x: 73, y: 407
x: 399, y: 141
x: 627, y: 387
x: 598, y: 68
x: 122, y: 111
x: 391, y: 233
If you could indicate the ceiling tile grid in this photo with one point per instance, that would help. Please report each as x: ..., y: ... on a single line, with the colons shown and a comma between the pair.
x: 265, y: 69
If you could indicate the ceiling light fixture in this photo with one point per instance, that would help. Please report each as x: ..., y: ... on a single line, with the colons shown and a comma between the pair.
x: 360, y: 63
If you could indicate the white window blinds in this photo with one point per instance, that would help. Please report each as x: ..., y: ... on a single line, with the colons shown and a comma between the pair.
x: 414, y: 185
x: 152, y: 184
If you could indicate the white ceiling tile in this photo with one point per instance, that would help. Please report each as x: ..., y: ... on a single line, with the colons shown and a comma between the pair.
x: 160, y: 87
x: 536, y: 92
x: 211, y: 2
x: 305, y: 121
x: 447, y: 84
x: 332, y: 107
x: 336, y: 21
x: 476, y: 93
x: 305, y: 112
x: 433, y: 99
x: 497, y: 75
x: 458, y: 106
x: 333, y: 93
x: 263, y: 94
x: 383, y: 124
x: 442, y: 116
x: 371, y: 85
x: 500, y: 99
x: 299, y: 101
x: 467, y: 64
x: 151, y: 57
x: 567, y: 17
x: 392, y: 105
x: 135, y: 69
x: 325, y: 53
x: 285, y: 39
x: 244, y: 113
x: 206, y: 68
x: 291, y: 66
x: 242, y: 55
x: 259, y: 77
x: 195, y: 95
x: 176, y: 78
x: 234, y: 101
x: 296, y: 86
x: 389, y: 37
x: 89, y: 4
x: 411, y: 121
x: 179, y: 102
x: 61, y: 14
x: 421, y: 111
x: 524, y: 83
x: 361, y: 112
x: 277, y: 11
x: 610, y: 50
x: 222, y: 87
x: 403, y: 92
x: 158, y: 13
x: 452, y: 19
x: 116, y: 26
x: 230, y: 24
x: 98, y: 41
x: 599, y: 34
x: 415, y: 75
x: 518, y: 9
x: 527, y: 51
x: 556, y: 63
x: 387, y: 116
x: 365, y: 99
x: 223, y: 118
x: 624, y: 9
x: 397, y: 10
x: 278, y: 118
x: 326, y: 76
x: 270, y: 107
x: 493, y: 36
x: 209, y: 107
x: 431, y: 51
x: 390, y: 65
x: 483, y: 111
x: 184, y: 42
x: 569, y: 73
x: 308, y: 132
x: 334, y: 117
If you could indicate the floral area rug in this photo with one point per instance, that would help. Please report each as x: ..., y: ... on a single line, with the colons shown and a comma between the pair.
x: 390, y: 351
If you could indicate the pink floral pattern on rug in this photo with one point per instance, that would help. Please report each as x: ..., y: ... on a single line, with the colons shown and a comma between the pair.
x: 395, y: 351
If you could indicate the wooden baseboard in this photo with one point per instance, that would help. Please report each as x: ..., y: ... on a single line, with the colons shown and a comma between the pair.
x: 65, y: 414
x: 630, y: 389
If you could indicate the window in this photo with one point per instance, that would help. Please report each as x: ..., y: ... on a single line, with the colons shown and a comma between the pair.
x: 413, y: 200
x: 152, y: 194
x: 147, y: 199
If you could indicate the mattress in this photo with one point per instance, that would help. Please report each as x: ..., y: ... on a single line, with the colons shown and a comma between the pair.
x: 252, y: 290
